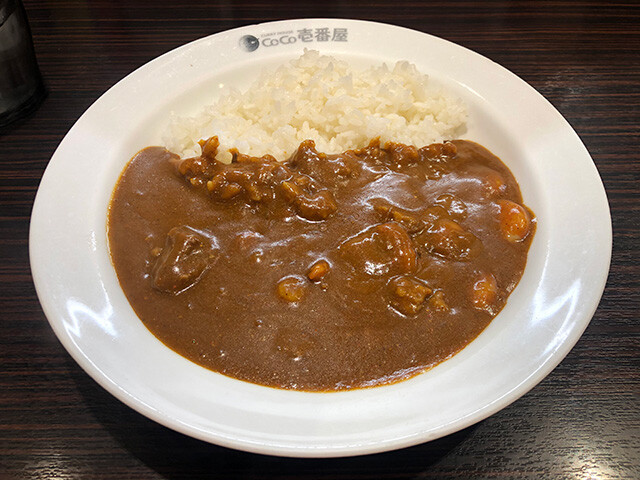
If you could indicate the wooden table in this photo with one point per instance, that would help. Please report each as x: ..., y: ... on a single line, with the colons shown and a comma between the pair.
x: 581, y: 422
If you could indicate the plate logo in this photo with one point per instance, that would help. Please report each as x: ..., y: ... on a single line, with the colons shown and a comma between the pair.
x: 250, y: 43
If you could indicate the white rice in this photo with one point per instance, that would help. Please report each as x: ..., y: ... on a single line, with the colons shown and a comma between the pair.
x: 321, y: 98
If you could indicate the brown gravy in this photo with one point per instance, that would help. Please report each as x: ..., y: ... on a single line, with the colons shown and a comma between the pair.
x: 324, y: 272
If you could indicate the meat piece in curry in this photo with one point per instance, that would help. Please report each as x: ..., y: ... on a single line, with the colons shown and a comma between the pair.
x: 322, y: 272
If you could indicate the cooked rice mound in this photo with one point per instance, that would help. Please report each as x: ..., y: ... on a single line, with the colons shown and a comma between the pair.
x: 322, y: 98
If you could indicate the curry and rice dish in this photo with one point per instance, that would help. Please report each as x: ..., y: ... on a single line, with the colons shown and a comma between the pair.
x: 324, y: 271
x: 272, y: 240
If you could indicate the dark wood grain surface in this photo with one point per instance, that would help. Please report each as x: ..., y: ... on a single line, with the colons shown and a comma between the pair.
x: 581, y: 422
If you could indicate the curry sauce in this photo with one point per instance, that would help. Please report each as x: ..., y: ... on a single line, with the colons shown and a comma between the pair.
x: 322, y: 272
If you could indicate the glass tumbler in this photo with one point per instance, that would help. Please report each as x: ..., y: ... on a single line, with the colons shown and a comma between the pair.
x: 21, y: 87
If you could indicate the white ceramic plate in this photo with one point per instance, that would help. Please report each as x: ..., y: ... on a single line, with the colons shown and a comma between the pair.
x: 545, y: 316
